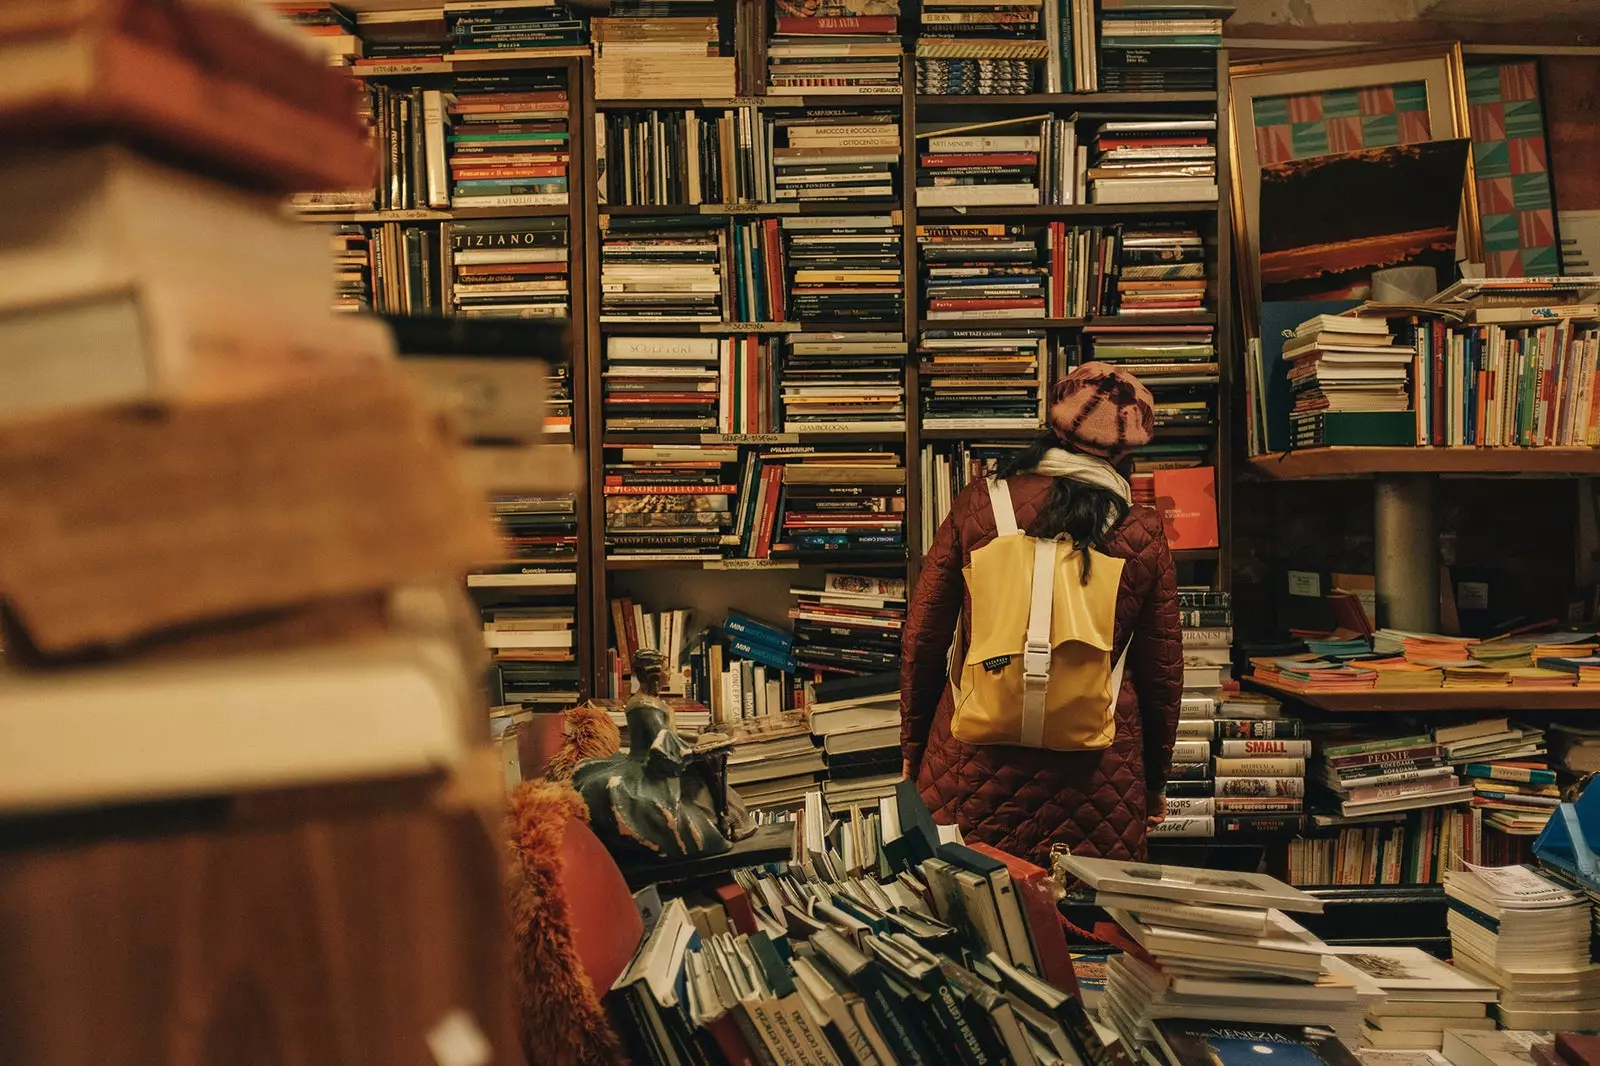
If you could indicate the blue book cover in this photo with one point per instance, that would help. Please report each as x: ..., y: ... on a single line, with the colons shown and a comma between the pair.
x: 759, y: 654
x: 748, y: 629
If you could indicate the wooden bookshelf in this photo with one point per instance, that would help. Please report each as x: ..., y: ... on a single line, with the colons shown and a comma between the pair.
x: 598, y: 576
x: 1435, y: 700
x: 1345, y: 462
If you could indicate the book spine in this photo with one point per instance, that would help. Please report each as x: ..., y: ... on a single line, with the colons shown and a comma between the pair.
x: 1260, y: 767
x: 1522, y: 774
x: 1370, y: 746
x: 1235, y: 749
x: 1259, y: 786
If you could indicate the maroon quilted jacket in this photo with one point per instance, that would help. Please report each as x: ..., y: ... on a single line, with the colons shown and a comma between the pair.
x: 1022, y: 800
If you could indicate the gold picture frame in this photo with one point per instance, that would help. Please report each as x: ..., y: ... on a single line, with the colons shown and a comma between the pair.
x: 1438, y: 66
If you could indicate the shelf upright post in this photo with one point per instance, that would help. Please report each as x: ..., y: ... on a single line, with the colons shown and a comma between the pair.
x: 1406, y: 549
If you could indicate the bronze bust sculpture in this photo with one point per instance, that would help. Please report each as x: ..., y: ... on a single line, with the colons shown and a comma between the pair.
x: 654, y: 797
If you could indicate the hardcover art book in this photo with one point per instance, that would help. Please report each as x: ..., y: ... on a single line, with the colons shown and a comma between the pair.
x: 1199, y: 1043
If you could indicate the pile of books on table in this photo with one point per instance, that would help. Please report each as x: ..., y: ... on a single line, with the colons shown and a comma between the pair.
x: 980, y: 50
x: 507, y: 268
x: 831, y: 156
x: 508, y: 141
x: 1154, y: 160
x: 1156, y: 48
x: 843, y: 383
x: 1508, y: 768
x: 978, y: 379
x: 661, y: 56
x: 849, y: 627
x: 1347, y: 373
x: 845, y: 269
x: 1383, y: 775
x: 662, y: 270
x: 849, y: 47
x: 1423, y: 998
x: 1529, y: 937
x: 774, y: 762
x: 668, y: 503
x: 1218, y: 950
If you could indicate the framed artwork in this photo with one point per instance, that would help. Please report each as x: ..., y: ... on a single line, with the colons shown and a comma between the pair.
x: 1334, y: 103
x: 1511, y: 163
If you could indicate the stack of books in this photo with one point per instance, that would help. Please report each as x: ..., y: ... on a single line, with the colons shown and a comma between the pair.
x: 508, y: 141
x: 978, y: 270
x: 761, y: 492
x: 857, y: 722
x: 749, y: 385
x: 1342, y: 372
x: 982, y: 379
x: 1310, y: 673
x: 949, y: 468
x: 1147, y: 161
x: 981, y: 50
x: 402, y: 269
x: 1247, y: 727
x: 762, y: 644
x: 837, y: 47
x: 634, y: 629
x: 851, y: 625
x: 352, y: 264
x: 533, y: 660
x: 1383, y: 775
x: 1166, y: 289
x: 507, y: 268
x: 668, y: 503
x: 662, y: 270
x: 1218, y: 948
x: 513, y: 30
x: 835, y: 156
x: 1157, y: 46
x: 1489, y: 740
x: 661, y: 384
x: 662, y: 158
x: 408, y: 126
x: 1423, y: 997
x: 1529, y: 937
x: 661, y: 56
x: 991, y: 163
x: 845, y: 269
x: 811, y: 477
x: 1179, y: 368
x: 329, y: 26
x: 843, y: 383
x: 774, y: 761
x: 757, y: 271
x: 1413, y: 847
x: 412, y: 40
x: 1189, y: 791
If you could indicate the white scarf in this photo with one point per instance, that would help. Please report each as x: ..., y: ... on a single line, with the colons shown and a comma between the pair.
x: 1058, y: 462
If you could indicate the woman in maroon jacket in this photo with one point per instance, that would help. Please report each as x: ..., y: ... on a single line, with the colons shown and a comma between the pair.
x: 1023, y: 800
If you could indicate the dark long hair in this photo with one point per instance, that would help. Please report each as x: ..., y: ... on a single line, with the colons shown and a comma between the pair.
x: 1075, y: 509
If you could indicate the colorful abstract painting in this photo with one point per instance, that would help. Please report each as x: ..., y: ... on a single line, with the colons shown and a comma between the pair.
x: 1516, y: 204
x: 1307, y: 125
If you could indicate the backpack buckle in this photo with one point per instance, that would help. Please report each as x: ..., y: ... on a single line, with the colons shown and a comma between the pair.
x: 1036, y: 660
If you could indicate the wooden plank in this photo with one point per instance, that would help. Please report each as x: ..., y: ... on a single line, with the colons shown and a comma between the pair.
x: 1362, y: 462
x: 1436, y: 700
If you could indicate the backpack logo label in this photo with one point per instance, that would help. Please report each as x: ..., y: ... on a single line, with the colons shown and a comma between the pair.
x: 999, y: 662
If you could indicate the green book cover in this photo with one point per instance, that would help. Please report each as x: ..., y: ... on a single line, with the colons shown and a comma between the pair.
x: 1355, y: 429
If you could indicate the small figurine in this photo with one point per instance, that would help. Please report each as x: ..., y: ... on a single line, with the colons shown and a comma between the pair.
x: 652, y: 798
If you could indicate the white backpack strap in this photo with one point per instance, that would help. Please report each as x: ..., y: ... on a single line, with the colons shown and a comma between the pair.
x: 1036, y: 652
x: 1005, y: 516
x: 1116, y: 676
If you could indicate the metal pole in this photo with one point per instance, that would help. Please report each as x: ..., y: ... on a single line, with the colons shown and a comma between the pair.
x: 1406, y: 539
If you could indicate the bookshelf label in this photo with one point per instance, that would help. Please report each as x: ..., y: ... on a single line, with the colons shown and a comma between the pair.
x: 749, y: 438
x: 734, y: 209
x: 411, y: 215
x: 750, y: 564
x: 383, y: 70
x: 749, y: 327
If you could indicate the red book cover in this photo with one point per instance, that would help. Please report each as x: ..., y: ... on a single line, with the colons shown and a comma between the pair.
x: 730, y: 1040
x: 858, y: 24
x: 1578, y: 1049
x: 633, y: 633
x: 981, y: 305
x: 483, y: 173
x: 772, y: 479
x: 982, y: 159
x: 772, y: 246
x: 736, y: 902
x: 1036, y: 893
x: 1187, y: 500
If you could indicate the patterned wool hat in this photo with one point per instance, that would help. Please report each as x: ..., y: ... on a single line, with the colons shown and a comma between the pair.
x: 1102, y: 410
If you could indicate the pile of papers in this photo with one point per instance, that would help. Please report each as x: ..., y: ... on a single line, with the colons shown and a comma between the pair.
x: 1216, y: 946
x: 1530, y: 937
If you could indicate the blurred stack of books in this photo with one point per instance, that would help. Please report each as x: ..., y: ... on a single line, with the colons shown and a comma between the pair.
x: 837, y: 47
x: 992, y: 163
x: 509, y: 29
x: 409, y: 40
x: 329, y: 26
x: 659, y: 56
x: 774, y: 762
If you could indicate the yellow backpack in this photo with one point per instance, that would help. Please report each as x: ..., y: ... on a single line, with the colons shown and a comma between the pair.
x: 1038, y: 673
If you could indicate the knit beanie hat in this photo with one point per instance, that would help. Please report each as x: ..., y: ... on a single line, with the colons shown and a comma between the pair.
x: 1101, y: 410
